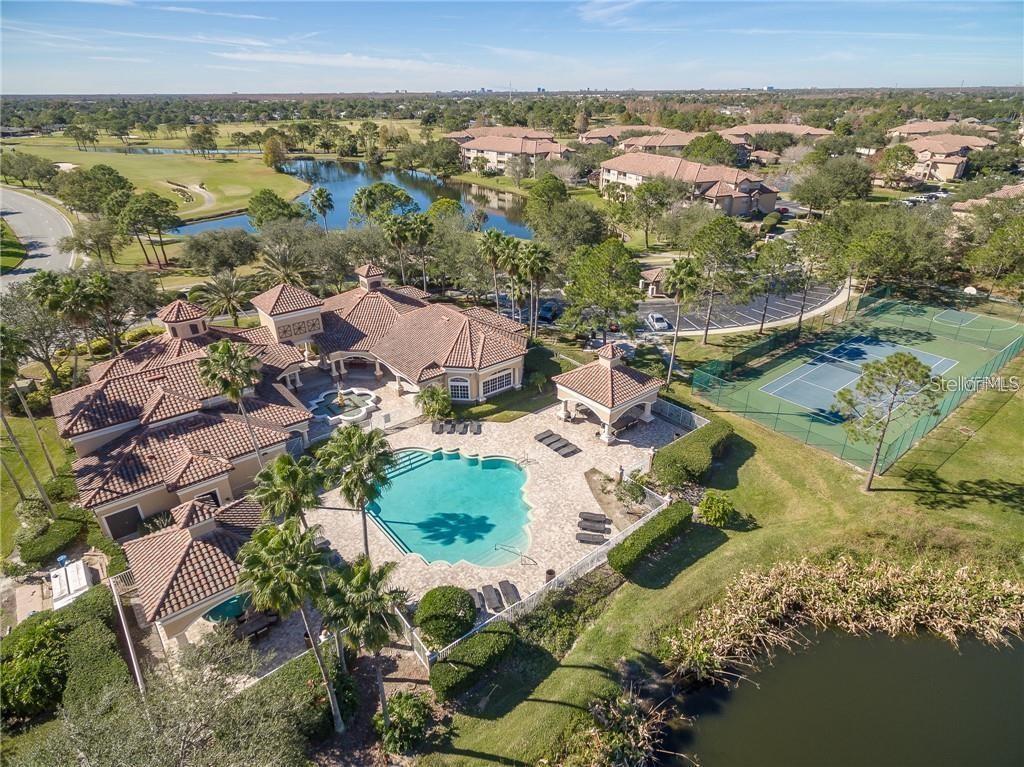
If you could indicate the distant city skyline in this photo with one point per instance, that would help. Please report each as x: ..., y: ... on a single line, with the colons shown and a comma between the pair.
x: 136, y: 46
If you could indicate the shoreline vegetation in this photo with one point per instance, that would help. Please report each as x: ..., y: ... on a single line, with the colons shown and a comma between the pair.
x: 765, y: 611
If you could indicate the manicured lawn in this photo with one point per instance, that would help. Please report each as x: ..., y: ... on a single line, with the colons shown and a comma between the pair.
x: 232, y: 180
x: 8, y: 497
x: 805, y: 502
x: 12, y: 252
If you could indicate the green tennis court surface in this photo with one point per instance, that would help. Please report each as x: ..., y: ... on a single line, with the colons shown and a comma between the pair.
x: 794, y: 392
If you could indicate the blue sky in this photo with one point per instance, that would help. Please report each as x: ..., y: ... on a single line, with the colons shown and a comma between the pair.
x: 137, y: 46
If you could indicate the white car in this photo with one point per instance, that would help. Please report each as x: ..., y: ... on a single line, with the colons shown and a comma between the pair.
x: 656, y: 321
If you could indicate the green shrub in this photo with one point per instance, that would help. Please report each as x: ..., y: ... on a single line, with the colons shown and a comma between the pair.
x: 95, y: 605
x: 409, y: 716
x: 135, y: 335
x: 33, y: 666
x: 62, y: 487
x: 34, y: 518
x: 688, y: 460
x: 770, y: 221
x: 95, y: 538
x: 57, y: 539
x: 99, y: 347
x: 94, y: 662
x: 670, y: 523
x: 82, y: 348
x: 470, y: 660
x: 444, y: 614
x: 717, y: 510
x: 159, y: 521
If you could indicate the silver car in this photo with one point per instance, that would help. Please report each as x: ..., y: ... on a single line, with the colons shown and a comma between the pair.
x: 657, y: 321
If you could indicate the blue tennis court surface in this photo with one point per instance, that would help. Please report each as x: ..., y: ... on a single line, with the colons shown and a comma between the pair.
x: 814, y: 384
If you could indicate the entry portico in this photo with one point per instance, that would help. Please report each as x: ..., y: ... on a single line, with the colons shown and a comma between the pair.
x: 609, y: 389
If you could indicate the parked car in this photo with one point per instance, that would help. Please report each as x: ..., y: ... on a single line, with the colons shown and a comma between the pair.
x: 783, y: 211
x: 657, y: 321
x: 941, y: 193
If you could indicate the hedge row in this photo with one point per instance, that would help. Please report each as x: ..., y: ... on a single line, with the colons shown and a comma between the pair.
x: 688, y: 460
x: 669, y: 524
x: 462, y: 669
x: 94, y: 663
x: 444, y: 614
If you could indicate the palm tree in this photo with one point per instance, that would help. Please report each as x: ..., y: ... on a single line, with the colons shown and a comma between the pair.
x: 396, y: 230
x: 12, y: 348
x: 359, y: 461
x: 281, y: 265
x: 508, y: 260
x: 231, y: 369
x: 225, y: 293
x: 490, y: 247
x: 362, y: 602
x: 681, y: 279
x: 281, y: 567
x: 435, y: 402
x: 286, y: 488
x: 68, y: 296
x: 534, y: 262
x: 419, y: 229
x: 322, y: 202
x: 8, y: 372
x: 14, y: 480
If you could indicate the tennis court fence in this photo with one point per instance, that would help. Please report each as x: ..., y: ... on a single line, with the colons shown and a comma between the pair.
x: 726, y: 384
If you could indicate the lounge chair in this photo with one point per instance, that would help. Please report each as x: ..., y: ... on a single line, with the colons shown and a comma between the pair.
x: 475, y: 427
x: 593, y: 527
x: 437, y: 427
x: 558, y: 444
x: 544, y: 435
x: 591, y: 538
x: 492, y: 599
x: 463, y: 427
x: 552, y: 439
x: 478, y: 599
x: 568, y: 450
x: 509, y: 591
x: 588, y: 516
x: 449, y: 427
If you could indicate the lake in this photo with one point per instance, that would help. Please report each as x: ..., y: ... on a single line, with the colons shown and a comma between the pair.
x: 856, y: 701
x: 505, y: 211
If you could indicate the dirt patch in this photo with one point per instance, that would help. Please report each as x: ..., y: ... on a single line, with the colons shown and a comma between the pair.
x: 602, y: 487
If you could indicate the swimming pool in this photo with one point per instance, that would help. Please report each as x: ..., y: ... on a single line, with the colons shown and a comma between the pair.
x: 447, y: 507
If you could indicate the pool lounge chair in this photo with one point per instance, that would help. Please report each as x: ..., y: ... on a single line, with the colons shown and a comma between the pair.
x: 449, y: 427
x: 492, y: 599
x: 474, y: 427
x: 478, y: 599
x: 593, y: 527
x: 510, y: 592
x: 588, y: 516
x: 463, y: 427
x: 437, y: 427
x: 558, y: 444
x: 568, y: 450
x: 552, y: 439
x: 591, y: 538
x: 544, y: 435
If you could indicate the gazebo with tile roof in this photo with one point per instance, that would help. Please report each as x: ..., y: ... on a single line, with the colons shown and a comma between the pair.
x: 609, y: 389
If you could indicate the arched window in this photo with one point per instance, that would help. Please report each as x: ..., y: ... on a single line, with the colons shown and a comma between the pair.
x: 499, y: 383
x: 458, y: 388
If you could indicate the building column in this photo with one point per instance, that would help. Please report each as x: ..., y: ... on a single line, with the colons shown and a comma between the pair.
x: 606, y: 433
x: 341, y: 368
x: 647, y: 416
x: 563, y: 412
x: 380, y: 373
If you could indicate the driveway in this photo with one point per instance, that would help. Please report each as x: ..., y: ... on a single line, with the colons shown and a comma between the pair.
x: 39, y: 226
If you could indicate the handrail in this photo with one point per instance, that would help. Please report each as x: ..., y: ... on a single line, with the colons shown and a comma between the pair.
x: 517, y: 551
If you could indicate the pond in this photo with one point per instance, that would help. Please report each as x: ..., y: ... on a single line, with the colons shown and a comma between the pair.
x: 915, y: 702
x: 505, y: 211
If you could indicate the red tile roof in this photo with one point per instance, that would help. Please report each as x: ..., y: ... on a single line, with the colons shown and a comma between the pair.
x: 508, y: 131
x: 369, y: 270
x: 532, y: 147
x: 283, y: 299
x: 175, y: 569
x: 608, y: 385
x: 180, y: 311
x: 666, y: 139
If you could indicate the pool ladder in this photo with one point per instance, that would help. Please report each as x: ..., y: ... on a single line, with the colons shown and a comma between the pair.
x: 523, y: 558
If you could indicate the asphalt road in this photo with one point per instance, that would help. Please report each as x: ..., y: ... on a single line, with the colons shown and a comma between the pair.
x: 39, y: 226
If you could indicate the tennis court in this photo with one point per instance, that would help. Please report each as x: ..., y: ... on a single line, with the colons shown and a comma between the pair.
x: 813, y: 385
x: 791, y: 387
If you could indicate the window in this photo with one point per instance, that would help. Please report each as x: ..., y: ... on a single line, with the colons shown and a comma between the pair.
x: 499, y: 383
x: 193, y: 328
x: 210, y: 497
x: 458, y: 388
x: 124, y: 523
x: 174, y: 330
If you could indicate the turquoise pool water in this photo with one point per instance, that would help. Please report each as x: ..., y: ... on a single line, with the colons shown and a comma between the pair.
x: 330, y: 407
x: 447, y: 508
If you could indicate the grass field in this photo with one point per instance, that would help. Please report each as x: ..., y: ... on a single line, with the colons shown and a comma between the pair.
x: 804, y: 503
x: 231, y: 181
x: 12, y: 252
x: 8, y: 497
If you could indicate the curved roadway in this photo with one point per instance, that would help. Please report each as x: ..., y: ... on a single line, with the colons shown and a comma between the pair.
x: 39, y: 227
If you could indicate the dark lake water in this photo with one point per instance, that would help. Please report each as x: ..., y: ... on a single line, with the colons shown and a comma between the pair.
x: 504, y: 210
x: 866, y: 702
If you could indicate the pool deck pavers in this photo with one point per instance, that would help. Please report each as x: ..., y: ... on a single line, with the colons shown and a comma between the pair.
x: 556, y: 489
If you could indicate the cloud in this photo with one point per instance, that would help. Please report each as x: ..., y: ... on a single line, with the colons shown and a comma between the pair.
x: 619, y: 15
x: 129, y: 59
x: 204, y: 12
x: 341, y: 60
x: 229, y: 68
x: 865, y: 34
x: 200, y: 39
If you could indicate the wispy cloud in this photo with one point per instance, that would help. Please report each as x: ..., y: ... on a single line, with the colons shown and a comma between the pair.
x: 230, y: 68
x: 128, y: 59
x: 204, y: 12
x: 199, y: 39
x: 622, y: 16
x: 870, y: 34
x: 341, y: 60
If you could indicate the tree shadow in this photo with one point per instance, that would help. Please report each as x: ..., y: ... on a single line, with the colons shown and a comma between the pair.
x: 725, y: 471
x: 448, y: 527
x: 658, y: 570
x: 933, y: 492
